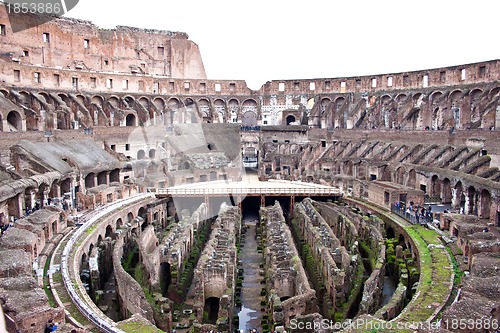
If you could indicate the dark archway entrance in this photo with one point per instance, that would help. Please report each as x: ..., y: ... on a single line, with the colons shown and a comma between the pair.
x: 211, y: 310
x: 290, y: 119
x: 165, y: 277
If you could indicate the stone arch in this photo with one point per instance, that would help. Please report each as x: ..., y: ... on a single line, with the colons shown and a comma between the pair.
x: 152, y: 153
x: 174, y: 116
x: 455, y: 100
x: 97, y: 100
x: 339, y: 103
x: 459, y: 196
x: 141, y: 154
x: 14, y: 121
x: 484, y: 204
x: 436, y: 109
x: 130, y: 100
x: 204, y: 109
x: 102, y: 178
x: 401, y: 98
x: 145, y: 102
x: 90, y: 180
x: 323, y: 104
x: 435, y: 186
x: 249, y: 118
x: 119, y: 223
x: 131, y: 120
x: 446, y: 193
x: 114, y: 101
x: 348, y: 168
x: 46, y: 97
x: 4, y: 92
x: 290, y: 119
x: 65, y: 185
x: 234, y: 109
x: 220, y: 109
x: 191, y: 111
x: 25, y: 98
x: 130, y: 216
x: 399, y: 176
x: 493, y: 92
x: 82, y: 99
x: 114, y: 176
x: 109, y: 232
x: 159, y: 103
x: 64, y: 98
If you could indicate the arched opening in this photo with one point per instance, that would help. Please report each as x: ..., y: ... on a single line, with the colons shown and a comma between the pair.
x: 109, y: 232
x: 14, y: 122
x: 152, y: 153
x: 114, y: 176
x: 165, y: 277
x: 435, y: 188
x: 142, y: 213
x: 141, y: 154
x: 102, y: 178
x: 484, y: 205
x: 130, y: 217
x: 211, y: 310
x: 185, y: 166
x: 471, y: 195
x: 130, y: 120
x: 401, y: 241
x: 99, y: 240
x: 290, y: 119
x: 119, y: 223
x: 90, y: 180
x: 249, y: 119
x: 348, y: 168
x: 63, y: 120
x: 446, y: 195
x: 66, y: 186
x: 458, y: 200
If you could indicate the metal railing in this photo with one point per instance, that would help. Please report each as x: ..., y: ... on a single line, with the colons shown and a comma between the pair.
x: 413, y: 216
x: 248, y: 191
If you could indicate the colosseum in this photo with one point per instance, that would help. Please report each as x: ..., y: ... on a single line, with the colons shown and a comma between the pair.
x: 142, y: 196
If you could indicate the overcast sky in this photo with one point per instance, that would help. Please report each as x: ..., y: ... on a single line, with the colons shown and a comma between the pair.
x: 263, y: 40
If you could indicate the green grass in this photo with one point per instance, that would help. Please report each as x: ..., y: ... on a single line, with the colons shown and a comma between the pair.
x: 46, y: 286
x: 138, y: 327
x: 435, y: 268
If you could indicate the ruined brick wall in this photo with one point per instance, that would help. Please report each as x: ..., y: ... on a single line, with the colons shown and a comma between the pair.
x: 150, y: 255
x: 288, y: 285
x: 130, y: 293
x: 215, y: 273
x: 80, y: 45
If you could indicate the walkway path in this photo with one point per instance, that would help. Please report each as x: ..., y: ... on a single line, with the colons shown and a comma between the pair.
x: 250, y: 315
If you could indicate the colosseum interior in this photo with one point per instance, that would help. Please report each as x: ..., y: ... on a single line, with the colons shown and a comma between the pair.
x: 142, y: 196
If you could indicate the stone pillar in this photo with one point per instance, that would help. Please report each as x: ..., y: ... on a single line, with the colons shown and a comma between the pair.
x: 467, y: 203
x: 44, y: 197
x: 455, y: 198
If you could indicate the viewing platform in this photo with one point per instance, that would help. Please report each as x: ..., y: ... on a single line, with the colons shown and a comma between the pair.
x: 249, y: 187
